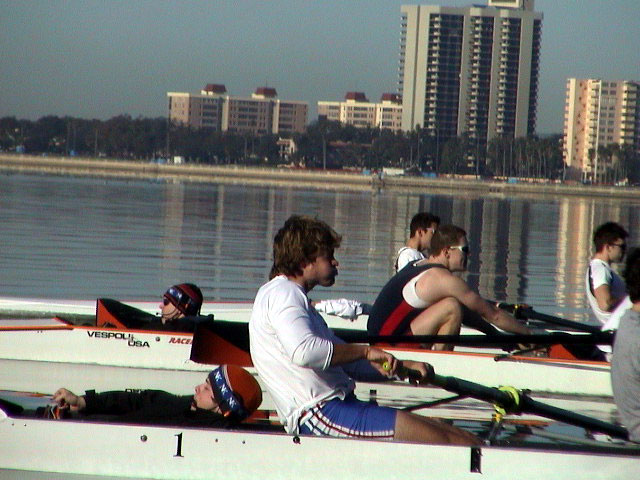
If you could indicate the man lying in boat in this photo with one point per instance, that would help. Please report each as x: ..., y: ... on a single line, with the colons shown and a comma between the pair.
x: 426, y: 298
x: 307, y: 370
x: 228, y: 396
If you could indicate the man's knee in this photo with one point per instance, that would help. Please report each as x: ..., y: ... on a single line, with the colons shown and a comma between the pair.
x: 446, y: 312
x: 453, y: 308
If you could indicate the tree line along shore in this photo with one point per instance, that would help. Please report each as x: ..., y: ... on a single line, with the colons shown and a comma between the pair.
x: 322, y: 144
x: 308, y: 178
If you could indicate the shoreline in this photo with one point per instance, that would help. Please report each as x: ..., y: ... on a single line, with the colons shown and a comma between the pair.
x: 331, y: 180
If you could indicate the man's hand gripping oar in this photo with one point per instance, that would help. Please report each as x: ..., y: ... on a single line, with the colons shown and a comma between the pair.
x: 390, y: 366
x: 416, y: 373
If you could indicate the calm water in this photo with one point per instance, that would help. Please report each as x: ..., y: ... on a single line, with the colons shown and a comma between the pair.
x: 86, y: 238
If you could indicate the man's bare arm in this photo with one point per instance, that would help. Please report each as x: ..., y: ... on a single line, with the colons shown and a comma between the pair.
x: 486, y: 310
x: 606, y: 301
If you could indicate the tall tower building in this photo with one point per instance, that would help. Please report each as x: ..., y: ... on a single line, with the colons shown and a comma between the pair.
x: 470, y: 69
x: 599, y: 113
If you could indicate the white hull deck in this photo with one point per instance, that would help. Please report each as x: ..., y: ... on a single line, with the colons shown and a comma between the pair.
x: 229, y: 311
x: 131, y: 451
x: 47, y: 377
x: 54, y: 341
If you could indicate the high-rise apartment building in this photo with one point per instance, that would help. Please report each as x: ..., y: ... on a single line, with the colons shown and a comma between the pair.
x: 262, y: 113
x: 358, y: 111
x: 599, y: 113
x: 470, y: 69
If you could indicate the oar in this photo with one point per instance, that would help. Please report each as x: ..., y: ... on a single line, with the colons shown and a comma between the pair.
x: 514, y: 353
x: 598, y: 338
x: 517, y: 401
x: 528, y: 313
x: 433, y: 403
x: 26, y: 328
x: 228, y: 342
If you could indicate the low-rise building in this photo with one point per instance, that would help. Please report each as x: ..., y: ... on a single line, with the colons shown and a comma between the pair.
x: 389, y: 112
x: 262, y: 113
x: 358, y: 111
x: 198, y: 110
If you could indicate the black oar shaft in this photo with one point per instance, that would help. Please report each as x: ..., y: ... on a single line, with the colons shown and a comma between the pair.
x: 237, y: 334
x: 526, y: 312
x: 475, y: 390
x: 600, y: 338
x: 525, y: 404
x: 549, y: 411
x: 561, y: 322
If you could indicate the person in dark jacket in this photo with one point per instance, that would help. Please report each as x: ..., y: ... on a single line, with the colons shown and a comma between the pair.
x: 229, y: 395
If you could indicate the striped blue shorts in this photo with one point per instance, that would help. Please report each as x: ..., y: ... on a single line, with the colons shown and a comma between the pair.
x: 350, y: 418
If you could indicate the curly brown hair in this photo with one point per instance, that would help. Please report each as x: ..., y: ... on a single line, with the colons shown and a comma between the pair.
x: 301, y: 240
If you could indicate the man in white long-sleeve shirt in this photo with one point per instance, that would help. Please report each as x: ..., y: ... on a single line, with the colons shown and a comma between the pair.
x: 307, y: 370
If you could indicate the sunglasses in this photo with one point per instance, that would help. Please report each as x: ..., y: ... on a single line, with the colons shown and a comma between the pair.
x: 463, y: 249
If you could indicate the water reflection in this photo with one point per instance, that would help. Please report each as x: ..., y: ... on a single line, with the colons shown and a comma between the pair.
x: 84, y: 238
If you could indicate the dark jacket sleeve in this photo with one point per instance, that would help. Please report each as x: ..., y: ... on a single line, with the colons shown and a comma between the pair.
x: 120, y: 402
x: 154, y: 407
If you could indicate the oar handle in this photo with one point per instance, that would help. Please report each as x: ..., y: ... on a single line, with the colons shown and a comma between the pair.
x: 512, y: 308
x: 413, y: 376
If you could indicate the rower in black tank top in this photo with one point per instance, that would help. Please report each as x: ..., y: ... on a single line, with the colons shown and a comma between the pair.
x: 391, y: 314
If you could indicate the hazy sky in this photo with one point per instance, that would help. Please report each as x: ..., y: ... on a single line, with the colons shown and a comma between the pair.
x: 97, y: 59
